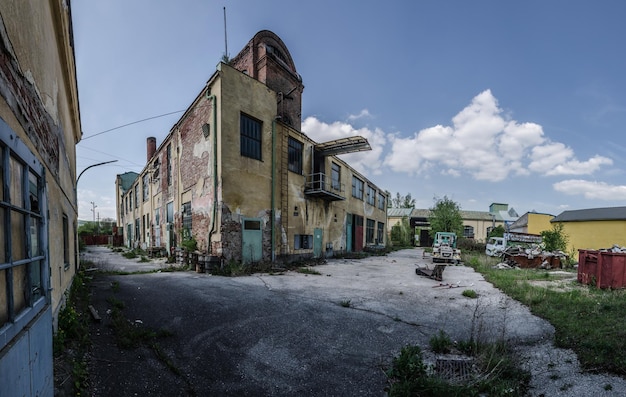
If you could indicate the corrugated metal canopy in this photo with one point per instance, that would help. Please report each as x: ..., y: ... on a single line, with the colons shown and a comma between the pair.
x: 343, y: 145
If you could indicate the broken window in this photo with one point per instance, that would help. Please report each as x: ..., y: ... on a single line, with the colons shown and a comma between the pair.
x: 250, y: 136
x: 369, y: 231
x: 335, y: 177
x: 380, y: 235
x: 24, y: 280
x: 303, y: 241
x: 146, y: 187
x: 357, y: 188
x: 371, y: 195
x: 295, y: 156
x: 187, y: 220
x: 168, y: 159
x: 381, y: 201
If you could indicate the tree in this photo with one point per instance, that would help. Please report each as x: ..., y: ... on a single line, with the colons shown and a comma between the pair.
x: 401, y: 201
x: 555, y: 239
x: 497, y: 231
x: 401, y: 233
x: 446, y: 217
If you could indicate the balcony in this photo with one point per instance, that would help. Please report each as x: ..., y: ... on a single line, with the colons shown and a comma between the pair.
x: 320, y: 186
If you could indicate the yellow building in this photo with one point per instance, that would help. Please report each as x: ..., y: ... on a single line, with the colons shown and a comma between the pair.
x: 532, y: 223
x: 39, y: 128
x: 236, y: 176
x: 593, y: 228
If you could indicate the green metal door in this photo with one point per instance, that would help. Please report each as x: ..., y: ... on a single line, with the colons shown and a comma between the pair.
x: 317, y: 243
x: 252, y: 240
x: 348, y: 232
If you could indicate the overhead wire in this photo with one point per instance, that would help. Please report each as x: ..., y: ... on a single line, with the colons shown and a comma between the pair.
x: 126, y: 125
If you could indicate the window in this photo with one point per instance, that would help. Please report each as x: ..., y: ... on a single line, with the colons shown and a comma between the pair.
x: 169, y: 212
x: 295, y: 156
x: 303, y: 241
x: 157, y: 216
x: 357, y: 188
x: 146, y: 187
x: 137, y: 196
x: 380, y: 233
x: 187, y: 220
x: 369, y: 231
x: 24, y: 279
x: 130, y: 200
x: 381, y: 201
x: 66, y: 243
x: 468, y: 231
x: 168, y: 160
x: 371, y: 195
x: 250, y: 130
x: 335, y: 177
x: 137, y: 229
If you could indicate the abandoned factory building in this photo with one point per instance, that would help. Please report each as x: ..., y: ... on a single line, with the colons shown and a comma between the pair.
x: 236, y: 176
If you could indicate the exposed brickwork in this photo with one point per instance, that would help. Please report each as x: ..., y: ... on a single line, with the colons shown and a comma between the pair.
x: 27, y: 107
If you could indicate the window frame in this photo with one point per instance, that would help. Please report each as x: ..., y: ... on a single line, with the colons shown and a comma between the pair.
x: 335, y: 176
x: 295, y: 150
x: 381, y: 201
x: 380, y: 233
x: 37, y: 298
x: 370, y: 226
x: 187, y: 220
x: 250, y: 137
x: 146, y: 187
x: 371, y: 195
x: 468, y: 231
x: 357, y: 187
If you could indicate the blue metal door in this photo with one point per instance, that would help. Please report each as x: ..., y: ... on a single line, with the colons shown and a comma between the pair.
x: 252, y: 240
x: 317, y: 243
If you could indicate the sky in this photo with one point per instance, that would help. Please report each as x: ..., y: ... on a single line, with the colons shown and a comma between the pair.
x: 482, y: 102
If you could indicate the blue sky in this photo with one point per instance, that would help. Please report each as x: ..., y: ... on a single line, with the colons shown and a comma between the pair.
x: 485, y: 101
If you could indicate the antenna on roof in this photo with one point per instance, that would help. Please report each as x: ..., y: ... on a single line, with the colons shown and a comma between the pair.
x: 225, y: 57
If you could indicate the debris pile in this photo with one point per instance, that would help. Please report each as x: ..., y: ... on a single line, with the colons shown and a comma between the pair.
x: 531, y: 257
x: 615, y: 249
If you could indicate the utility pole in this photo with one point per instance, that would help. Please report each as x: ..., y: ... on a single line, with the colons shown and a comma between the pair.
x: 93, y: 209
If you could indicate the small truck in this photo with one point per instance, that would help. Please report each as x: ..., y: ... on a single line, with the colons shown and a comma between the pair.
x: 444, y: 252
x: 444, y: 248
x: 497, y: 245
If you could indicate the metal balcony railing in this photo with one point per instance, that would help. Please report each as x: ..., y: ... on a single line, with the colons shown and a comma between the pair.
x: 319, y: 185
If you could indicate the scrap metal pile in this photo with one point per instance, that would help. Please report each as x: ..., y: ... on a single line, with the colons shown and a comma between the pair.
x: 533, y: 256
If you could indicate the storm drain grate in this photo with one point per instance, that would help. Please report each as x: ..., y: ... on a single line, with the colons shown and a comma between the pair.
x: 454, y: 369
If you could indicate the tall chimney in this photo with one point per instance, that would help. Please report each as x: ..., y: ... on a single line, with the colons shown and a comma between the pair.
x: 151, y: 147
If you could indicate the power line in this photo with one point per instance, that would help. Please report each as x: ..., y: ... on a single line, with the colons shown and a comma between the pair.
x: 126, y: 125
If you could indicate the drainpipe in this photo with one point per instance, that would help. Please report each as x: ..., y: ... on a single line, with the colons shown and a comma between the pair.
x: 214, y: 100
x: 273, y: 215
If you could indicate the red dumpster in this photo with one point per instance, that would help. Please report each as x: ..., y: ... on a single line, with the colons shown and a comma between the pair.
x: 602, y: 269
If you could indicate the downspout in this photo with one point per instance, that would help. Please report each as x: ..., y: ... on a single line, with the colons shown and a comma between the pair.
x: 273, y: 215
x: 214, y: 100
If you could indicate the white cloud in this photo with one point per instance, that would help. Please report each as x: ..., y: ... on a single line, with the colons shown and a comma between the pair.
x: 591, y: 189
x: 488, y: 146
x: 364, y: 162
x: 362, y: 114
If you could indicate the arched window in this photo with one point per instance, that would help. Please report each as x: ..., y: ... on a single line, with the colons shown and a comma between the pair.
x: 468, y: 231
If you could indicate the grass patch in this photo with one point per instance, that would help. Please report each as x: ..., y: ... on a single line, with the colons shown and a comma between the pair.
x: 470, y: 293
x: 496, y: 373
x: 441, y: 343
x: 308, y: 270
x: 345, y: 303
x: 71, y: 342
x: 586, y: 319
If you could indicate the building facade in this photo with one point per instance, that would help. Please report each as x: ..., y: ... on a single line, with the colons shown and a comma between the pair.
x: 532, y: 223
x: 39, y: 129
x: 236, y: 176
x: 593, y: 228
